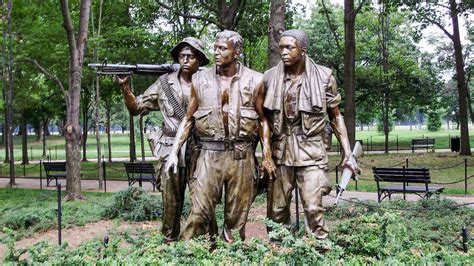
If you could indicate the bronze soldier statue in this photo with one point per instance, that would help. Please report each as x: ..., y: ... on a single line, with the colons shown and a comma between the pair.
x: 298, y: 96
x: 189, y: 53
x: 222, y: 109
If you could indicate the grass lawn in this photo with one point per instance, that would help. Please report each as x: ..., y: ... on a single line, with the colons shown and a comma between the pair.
x: 55, y: 147
x: 372, y: 140
x: 376, y: 140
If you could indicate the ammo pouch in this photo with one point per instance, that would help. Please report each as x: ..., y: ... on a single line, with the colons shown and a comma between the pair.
x: 154, y: 141
x: 327, y: 136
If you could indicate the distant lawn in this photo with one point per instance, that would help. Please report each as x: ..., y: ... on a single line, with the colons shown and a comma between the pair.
x: 376, y: 140
x: 55, y: 147
x: 372, y: 140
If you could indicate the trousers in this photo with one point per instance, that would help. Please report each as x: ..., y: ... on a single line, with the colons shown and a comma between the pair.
x: 217, y: 170
x: 312, y: 184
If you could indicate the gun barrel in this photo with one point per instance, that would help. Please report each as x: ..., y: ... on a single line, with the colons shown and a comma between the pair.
x: 137, y: 69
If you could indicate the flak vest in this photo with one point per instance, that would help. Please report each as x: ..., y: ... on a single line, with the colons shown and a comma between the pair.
x: 242, y: 118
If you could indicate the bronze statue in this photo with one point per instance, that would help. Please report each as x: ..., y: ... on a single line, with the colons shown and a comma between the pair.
x: 298, y: 97
x: 222, y: 109
x: 170, y: 94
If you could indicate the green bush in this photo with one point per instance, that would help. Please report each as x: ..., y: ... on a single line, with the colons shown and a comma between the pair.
x: 434, y: 120
x: 134, y: 204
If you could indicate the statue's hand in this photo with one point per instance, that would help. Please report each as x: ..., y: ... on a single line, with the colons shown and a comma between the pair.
x: 269, y: 167
x: 122, y: 80
x: 171, y: 164
x: 351, y: 163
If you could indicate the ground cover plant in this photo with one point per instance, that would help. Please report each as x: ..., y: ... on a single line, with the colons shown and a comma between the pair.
x: 26, y: 211
x: 426, y: 232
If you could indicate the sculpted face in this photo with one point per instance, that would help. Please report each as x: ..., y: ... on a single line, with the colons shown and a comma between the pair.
x: 290, y: 51
x: 188, y: 60
x: 224, y: 53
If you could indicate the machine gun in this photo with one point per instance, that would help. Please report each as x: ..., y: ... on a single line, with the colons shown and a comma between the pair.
x: 136, y: 69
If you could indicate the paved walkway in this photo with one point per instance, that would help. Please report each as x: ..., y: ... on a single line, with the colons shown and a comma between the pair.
x: 115, y: 186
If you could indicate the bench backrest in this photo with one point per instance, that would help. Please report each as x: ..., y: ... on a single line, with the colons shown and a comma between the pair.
x: 407, y: 175
x: 55, y: 166
x: 426, y: 141
x: 139, y: 168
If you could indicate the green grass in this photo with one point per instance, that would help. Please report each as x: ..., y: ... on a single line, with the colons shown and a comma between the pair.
x: 372, y: 140
x: 376, y: 140
x: 55, y: 147
x: 27, y: 210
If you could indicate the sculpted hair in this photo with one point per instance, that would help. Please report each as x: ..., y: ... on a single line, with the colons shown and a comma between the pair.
x: 300, y: 36
x: 234, y: 38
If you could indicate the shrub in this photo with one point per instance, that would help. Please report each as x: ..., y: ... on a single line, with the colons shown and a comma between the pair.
x: 434, y: 120
x: 134, y: 204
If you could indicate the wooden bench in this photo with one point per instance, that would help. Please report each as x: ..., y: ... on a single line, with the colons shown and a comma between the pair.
x: 404, y: 176
x: 54, y: 170
x: 426, y: 143
x: 140, y: 172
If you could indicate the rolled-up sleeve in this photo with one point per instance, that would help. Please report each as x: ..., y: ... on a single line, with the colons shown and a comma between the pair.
x: 333, y: 98
x: 148, y: 101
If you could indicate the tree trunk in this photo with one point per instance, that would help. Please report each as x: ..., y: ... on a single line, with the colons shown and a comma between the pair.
x: 384, y: 31
x: 5, y: 125
x: 9, y: 103
x: 97, y: 100
x: 142, y: 142
x: 461, y: 81
x: 24, y: 139
x: 133, y: 153
x: 44, y: 126
x: 109, y: 141
x: 72, y: 130
x: 85, y: 128
x: 228, y: 13
x: 469, y: 103
x: 97, y: 134
x: 60, y: 125
x: 275, y: 29
x: 349, y: 70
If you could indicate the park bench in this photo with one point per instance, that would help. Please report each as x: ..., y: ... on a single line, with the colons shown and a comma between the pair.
x: 140, y: 172
x: 425, y: 143
x: 404, y: 176
x: 54, y: 170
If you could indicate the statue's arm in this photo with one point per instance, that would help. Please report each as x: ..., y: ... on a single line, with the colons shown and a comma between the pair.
x: 128, y: 97
x: 340, y: 130
x: 264, y: 132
